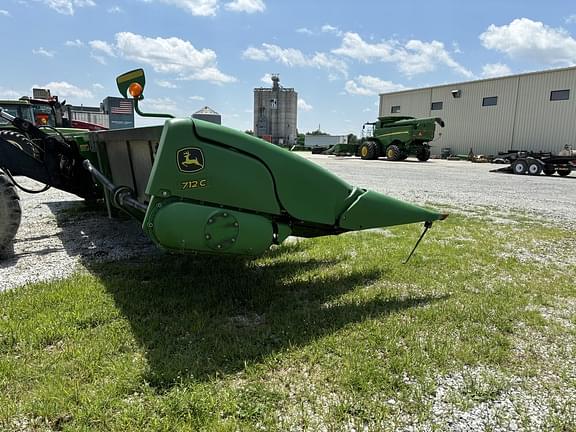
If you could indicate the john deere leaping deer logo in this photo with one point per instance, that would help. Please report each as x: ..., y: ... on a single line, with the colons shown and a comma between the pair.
x: 190, y: 159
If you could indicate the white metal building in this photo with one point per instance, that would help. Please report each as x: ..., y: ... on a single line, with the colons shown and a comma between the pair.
x: 324, y: 140
x: 532, y: 111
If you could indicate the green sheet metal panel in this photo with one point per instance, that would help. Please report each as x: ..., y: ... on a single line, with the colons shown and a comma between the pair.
x: 307, y: 191
x: 186, y: 227
x: 190, y: 168
x: 373, y: 210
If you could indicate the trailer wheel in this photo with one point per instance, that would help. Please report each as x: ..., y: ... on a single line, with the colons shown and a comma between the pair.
x: 549, y: 170
x: 10, y: 212
x: 393, y: 153
x: 534, y: 168
x: 519, y: 166
x: 20, y: 141
x: 369, y: 150
x: 423, y: 154
x: 563, y: 171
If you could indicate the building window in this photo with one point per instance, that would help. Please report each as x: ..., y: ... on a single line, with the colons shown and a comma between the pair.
x: 490, y: 101
x: 395, y: 109
x: 436, y: 106
x: 557, y: 95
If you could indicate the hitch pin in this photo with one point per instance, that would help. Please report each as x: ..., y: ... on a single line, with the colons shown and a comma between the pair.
x: 427, y: 226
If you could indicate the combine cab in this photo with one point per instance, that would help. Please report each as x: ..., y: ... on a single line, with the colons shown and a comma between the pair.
x: 196, y: 186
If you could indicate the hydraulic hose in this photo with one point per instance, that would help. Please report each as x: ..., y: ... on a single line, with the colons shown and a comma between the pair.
x: 122, y: 196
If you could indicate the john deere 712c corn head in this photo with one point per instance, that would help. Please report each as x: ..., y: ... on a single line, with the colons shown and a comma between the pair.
x: 195, y: 186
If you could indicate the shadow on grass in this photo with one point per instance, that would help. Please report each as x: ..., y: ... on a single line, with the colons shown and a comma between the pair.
x: 198, y: 317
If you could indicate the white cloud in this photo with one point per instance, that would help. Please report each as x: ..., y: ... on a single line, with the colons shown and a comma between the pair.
x: 115, y: 10
x: 293, y: 57
x: 195, y: 7
x: 43, y: 52
x: 166, y: 84
x: 248, y: 6
x: 4, y: 13
x: 77, y: 43
x: 196, y: 98
x: 419, y: 57
x: 9, y: 94
x: 531, y: 40
x: 571, y: 19
x: 413, y: 58
x: 327, y: 28
x: 67, y: 7
x: 64, y: 89
x: 212, y: 74
x: 100, y: 45
x: 161, y: 104
x: 495, y: 70
x: 304, y: 106
x: 356, y: 48
x: 304, y: 30
x: 266, y: 78
x: 166, y: 55
x: 366, y: 85
x: 99, y: 59
x: 98, y: 86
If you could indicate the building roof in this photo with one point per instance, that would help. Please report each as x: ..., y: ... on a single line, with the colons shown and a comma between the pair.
x: 480, y: 80
x: 206, y: 111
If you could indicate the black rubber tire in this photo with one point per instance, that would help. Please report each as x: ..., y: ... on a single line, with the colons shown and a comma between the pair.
x: 403, y: 156
x: 423, y: 154
x: 519, y: 166
x: 393, y: 153
x: 21, y: 142
x: 10, y: 212
x: 369, y: 150
x: 534, y: 168
x: 563, y: 172
x: 549, y: 171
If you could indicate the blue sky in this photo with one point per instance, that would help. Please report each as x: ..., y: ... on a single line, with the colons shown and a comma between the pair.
x: 338, y: 55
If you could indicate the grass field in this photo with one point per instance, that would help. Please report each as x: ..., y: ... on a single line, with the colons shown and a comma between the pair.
x: 327, y: 334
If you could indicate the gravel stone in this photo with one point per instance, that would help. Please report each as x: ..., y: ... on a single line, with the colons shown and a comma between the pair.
x: 59, y: 235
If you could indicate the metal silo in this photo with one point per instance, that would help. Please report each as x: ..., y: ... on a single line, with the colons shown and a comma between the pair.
x: 275, y: 113
x: 208, y: 114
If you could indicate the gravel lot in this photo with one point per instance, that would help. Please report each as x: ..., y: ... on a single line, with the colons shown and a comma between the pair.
x: 461, y: 185
x: 58, y: 233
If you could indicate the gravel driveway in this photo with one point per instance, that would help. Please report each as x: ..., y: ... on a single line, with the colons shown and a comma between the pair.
x: 58, y: 232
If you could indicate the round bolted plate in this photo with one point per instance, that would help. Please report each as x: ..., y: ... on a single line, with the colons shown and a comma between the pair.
x: 221, y: 231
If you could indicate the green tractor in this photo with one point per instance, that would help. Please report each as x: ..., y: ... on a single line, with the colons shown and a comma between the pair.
x: 193, y: 185
x: 394, y: 137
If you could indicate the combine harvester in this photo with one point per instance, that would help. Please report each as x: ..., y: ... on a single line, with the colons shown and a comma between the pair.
x: 194, y: 186
x: 395, y: 137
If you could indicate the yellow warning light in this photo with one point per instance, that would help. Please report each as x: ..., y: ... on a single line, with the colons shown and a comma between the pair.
x: 135, y: 90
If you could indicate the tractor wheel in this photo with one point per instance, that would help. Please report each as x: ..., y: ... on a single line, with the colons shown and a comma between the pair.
x: 20, y: 141
x: 393, y: 153
x: 10, y: 212
x: 534, y: 168
x: 369, y: 150
x: 549, y: 170
x: 519, y: 166
x: 563, y: 172
x: 423, y: 154
x: 403, y: 156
